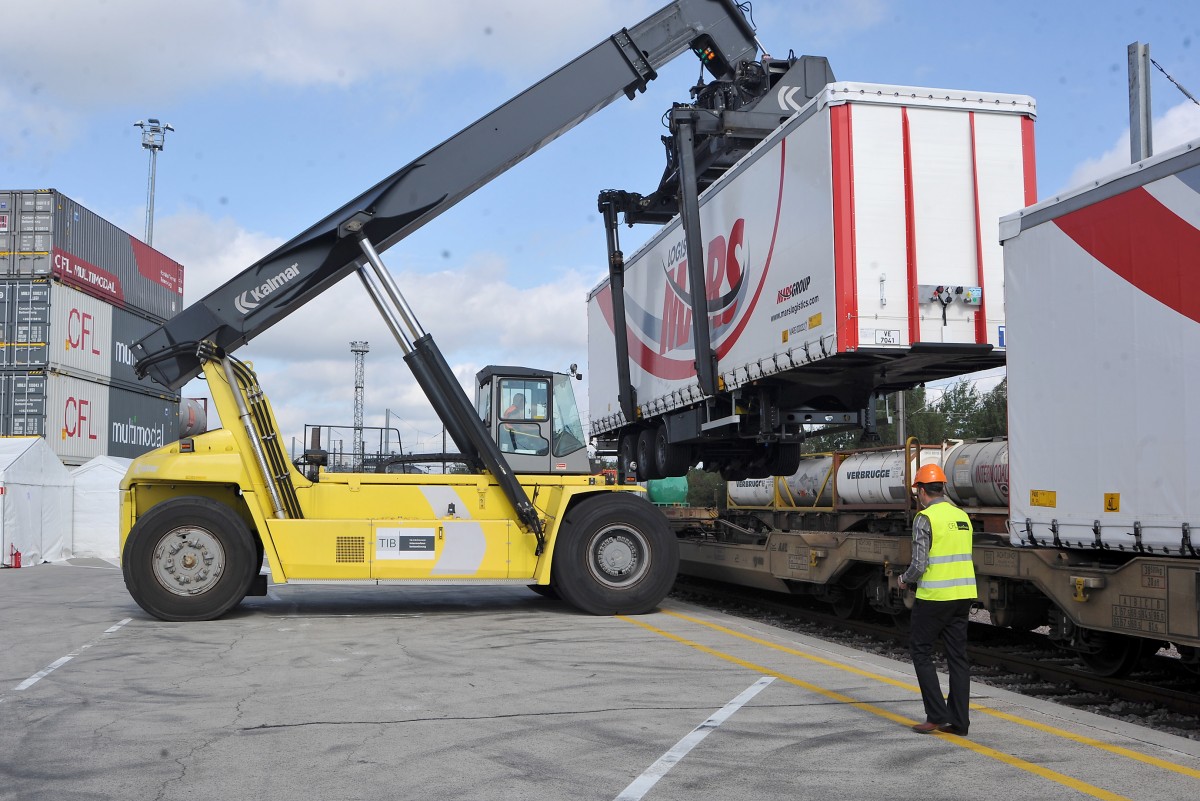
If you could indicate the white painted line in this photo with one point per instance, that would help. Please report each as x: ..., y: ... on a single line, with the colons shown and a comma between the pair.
x: 642, y: 784
x: 56, y: 664
x: 43, y: 673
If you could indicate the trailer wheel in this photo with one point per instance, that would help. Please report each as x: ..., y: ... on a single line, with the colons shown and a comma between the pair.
x: 785, y: 458
x: 189, y: 558
x: 627, y: 457
x: 733, y: 469
x: 647, y: 470
x: 670, y: 459
x: 615, y: 555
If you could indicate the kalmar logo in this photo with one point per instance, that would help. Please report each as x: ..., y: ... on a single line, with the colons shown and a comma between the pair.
x: 249, y: 300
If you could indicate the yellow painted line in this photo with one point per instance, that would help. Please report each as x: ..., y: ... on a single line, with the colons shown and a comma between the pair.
x: 962, y: 742
x: 1063, y: 733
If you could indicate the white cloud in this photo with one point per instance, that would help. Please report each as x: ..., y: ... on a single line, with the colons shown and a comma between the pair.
x: 33, y: 130
x: 1179, y: 125
x: 109, y: 51
x: 817, y: 24
x: 136, y: 54
x: 212, y: 251
x: 476, y: 316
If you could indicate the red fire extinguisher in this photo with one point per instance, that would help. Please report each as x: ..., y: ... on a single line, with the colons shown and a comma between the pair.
x: 14, y: 557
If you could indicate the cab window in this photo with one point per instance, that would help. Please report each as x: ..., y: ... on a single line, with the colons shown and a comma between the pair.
x: 524, y: 399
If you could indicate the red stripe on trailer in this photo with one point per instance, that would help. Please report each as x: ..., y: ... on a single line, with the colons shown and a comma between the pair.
x: 1144, y: 242
x: 642, y: 355
x: 647, y: 357
x: 981, y: 313
x: 910, y: 231
x: 841, y: 135
x: 736, y: 333
x: 1030, y: 166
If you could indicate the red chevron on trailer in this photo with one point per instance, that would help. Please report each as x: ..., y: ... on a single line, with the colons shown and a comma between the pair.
x: 1114, y: 232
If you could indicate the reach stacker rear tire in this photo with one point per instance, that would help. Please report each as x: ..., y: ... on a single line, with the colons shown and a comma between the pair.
x: 189, y: 558
x: 615, y: 555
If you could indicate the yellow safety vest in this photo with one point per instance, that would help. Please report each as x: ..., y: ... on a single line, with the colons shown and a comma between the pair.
x: 951, y: 574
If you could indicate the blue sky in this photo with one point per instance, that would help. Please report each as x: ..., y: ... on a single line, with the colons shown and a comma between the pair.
x: 285, y: 110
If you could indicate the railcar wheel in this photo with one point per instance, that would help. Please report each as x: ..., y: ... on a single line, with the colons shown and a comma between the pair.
x: 614, y: 555
x: 848, y: 603
x: 190, y: 558
x: 1117, y: 656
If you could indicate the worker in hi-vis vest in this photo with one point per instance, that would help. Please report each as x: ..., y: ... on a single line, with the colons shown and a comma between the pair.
x: 944, y: 576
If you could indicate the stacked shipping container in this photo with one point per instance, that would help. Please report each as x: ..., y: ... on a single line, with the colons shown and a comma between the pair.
x: 75, y: 293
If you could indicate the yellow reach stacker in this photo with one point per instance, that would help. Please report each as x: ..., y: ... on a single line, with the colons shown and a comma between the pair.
x: 199, y: 515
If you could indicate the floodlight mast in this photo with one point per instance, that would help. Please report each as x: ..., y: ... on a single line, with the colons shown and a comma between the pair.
x: 154, y: 135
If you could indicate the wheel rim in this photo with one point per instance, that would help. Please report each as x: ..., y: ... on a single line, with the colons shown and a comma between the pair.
x: 618, y: 556
x: 188, y: 561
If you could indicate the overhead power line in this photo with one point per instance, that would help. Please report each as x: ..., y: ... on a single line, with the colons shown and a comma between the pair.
x: 1178, y: 85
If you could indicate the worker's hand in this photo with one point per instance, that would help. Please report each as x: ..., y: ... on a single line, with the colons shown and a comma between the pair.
x: 900, y: 584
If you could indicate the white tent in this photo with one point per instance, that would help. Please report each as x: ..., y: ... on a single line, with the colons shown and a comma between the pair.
x: 35, y: 502
x: 96, y: 516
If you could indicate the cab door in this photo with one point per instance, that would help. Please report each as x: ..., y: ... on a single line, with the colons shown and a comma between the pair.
x: 523, y: 428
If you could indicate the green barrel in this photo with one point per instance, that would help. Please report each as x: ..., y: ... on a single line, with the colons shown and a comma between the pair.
x: 668, y: 491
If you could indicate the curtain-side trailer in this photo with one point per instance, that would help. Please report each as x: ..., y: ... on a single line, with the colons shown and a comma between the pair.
x: 852, y: 252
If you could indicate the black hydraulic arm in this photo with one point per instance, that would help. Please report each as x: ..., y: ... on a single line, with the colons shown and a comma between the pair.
x: 299, y: 270
x: 689, y: 212
x: 626, y: 394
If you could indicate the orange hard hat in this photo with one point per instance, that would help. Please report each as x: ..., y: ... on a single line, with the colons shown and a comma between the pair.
x: 929, y: 474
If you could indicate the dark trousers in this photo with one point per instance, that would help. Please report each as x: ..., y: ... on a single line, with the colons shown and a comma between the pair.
x: 949, y: 619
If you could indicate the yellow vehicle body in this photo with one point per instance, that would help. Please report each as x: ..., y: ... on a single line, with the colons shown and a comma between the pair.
x: 184, y: 506
x: 352, y: 520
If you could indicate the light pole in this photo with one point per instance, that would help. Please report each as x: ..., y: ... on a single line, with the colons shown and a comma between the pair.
x: 154, y: 133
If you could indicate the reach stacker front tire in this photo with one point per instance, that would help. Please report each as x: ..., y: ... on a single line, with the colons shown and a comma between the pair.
x: 189, y: 558
x: 615, y: 555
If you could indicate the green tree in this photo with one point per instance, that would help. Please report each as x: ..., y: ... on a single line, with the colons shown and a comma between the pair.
x: 991, y: 419
x: 705, y: 489
x: 959, y: 412
x: 959, y: 407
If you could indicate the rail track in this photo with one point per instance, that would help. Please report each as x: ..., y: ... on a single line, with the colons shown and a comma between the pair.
x: 1159, y: 693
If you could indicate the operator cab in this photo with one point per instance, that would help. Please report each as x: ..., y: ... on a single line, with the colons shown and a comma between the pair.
x: 531, y: 415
